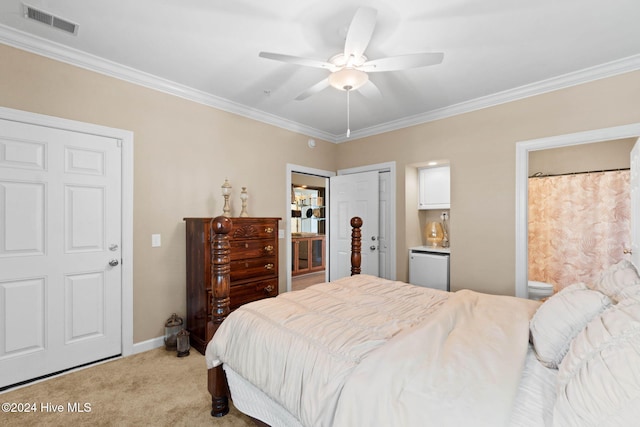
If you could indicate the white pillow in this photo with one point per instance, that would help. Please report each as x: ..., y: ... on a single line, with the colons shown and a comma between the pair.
x: 630, y: 291
x: 559, y: 319
x: 598, y: 381
x: 616, y: 278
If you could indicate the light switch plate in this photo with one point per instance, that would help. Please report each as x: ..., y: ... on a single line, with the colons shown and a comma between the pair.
x: 156, y: 241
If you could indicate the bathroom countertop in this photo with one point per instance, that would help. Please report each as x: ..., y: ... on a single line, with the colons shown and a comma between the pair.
x: 436, y: 249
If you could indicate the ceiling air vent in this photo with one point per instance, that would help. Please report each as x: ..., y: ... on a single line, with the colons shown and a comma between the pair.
x: 50, y: 20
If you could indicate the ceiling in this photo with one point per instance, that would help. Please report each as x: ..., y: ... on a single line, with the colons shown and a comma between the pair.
x: 207, y: 50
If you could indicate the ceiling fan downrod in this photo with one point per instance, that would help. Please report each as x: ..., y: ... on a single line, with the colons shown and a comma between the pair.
x: 348, y: 89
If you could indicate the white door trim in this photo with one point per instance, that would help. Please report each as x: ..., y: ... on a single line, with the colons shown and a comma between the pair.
x: 391, y: 167
x: 634, y: 192
x: 291, y: 168
x: 522, y: 190
x: 126, y: 138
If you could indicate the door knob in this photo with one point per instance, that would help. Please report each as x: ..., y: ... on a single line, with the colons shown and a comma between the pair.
x: 372, y: 247
x: 114, y: 262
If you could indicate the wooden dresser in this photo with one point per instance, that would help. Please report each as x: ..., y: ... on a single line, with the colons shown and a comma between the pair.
x: 254, y: 268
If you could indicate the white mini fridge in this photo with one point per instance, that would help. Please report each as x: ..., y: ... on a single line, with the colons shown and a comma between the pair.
x: 428, y: 268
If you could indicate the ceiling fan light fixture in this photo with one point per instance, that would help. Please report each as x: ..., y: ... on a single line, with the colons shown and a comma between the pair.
x: 348, y: 79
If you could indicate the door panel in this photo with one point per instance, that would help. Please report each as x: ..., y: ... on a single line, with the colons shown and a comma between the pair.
x: 22, y: 302
x: 60, y: 225
x: 84, y: 162
x: 16, y: 153
x: 23, y: 218
x: 85, y: 297
x: 84, y: 219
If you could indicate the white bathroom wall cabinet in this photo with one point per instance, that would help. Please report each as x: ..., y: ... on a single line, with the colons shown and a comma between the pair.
x: 435, y: 188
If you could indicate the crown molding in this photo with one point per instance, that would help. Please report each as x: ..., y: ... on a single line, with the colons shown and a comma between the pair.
x: 610, y: 69
x: 59, y: 52
x: 78, y: 58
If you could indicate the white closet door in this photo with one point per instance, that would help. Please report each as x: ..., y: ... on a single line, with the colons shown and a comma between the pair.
x: 60, y: 240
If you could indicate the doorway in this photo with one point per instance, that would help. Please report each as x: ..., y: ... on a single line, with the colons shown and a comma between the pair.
x: 579, y: 211
x: 522, y: 175
x: 308, y: 230
x: 387, y: 213
x: 297, y: 176
x: 386, y: 239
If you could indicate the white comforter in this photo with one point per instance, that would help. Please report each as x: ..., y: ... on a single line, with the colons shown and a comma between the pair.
x: 447, y: 359
x: 462, y: 367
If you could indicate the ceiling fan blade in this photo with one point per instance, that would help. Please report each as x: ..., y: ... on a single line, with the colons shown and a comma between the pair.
x: 360, y: 32
x: 322, y: 84
x: 402, y: 62
x: 370, y: 90
x: 297, y: 60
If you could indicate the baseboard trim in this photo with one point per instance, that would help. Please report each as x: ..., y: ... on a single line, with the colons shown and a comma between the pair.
x: 153, y: 343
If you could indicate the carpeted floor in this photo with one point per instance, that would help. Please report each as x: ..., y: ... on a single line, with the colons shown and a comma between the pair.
x: 154, y: 388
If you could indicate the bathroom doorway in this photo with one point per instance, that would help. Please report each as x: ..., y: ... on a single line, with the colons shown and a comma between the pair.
x: 523, y: 149
x: 579, y: 210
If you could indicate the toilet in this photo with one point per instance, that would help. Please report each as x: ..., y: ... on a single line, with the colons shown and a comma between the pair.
x: 539, y: 290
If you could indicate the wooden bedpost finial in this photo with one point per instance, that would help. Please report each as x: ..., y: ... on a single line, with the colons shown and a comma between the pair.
x: 221, y: 225
x: 356, y: 222
x: 220, y: 272
x: 356, y: 245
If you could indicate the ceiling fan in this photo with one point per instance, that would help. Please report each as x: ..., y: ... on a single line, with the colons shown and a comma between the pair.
x: 348, y: 69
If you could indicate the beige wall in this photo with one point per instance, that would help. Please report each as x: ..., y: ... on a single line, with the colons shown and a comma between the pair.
x: 582, y: 158
x: 184, y: 150
x: 480, y: 147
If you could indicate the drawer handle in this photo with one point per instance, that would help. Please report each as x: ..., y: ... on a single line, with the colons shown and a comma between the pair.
x: 268, y: 230
x: 268, y: 289
x: 269, y: 266
x: 268, y: 248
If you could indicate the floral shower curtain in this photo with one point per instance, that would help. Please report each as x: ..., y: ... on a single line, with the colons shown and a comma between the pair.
x: 578, y: 225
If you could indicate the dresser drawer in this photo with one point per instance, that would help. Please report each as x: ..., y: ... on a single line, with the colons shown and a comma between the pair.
x: 242, y: 249
x: 242, y: 294
x: 264, y: 267
x: 262, y: 229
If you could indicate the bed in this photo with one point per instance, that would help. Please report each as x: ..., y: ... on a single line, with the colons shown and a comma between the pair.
x: 365, y: 351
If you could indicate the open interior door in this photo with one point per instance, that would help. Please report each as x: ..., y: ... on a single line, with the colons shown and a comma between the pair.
x: 353, y: 195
